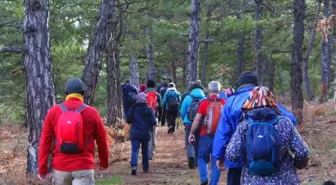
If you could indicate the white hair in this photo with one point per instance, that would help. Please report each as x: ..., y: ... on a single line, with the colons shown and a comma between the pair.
x: 214, y: 87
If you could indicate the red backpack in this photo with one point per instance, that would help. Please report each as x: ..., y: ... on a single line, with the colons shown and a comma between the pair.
x: 214, y: 113
x: 70, y: 131
x: 152, y: 99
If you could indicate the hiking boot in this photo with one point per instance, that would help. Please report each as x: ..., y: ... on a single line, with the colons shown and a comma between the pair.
x: 134, y: 172
x: 204, y: 183
x: 191, y: 162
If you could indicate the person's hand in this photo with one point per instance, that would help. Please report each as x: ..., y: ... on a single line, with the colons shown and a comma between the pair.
x: 191, y: 138
x: 220, y: 165
x: 43, y: 178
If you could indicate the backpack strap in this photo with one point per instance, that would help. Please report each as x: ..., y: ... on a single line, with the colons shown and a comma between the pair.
x: 272, y: 122
x: 63, y: 107
x: 81, y: 108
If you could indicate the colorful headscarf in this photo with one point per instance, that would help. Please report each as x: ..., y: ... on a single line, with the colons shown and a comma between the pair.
x: 260, y: 97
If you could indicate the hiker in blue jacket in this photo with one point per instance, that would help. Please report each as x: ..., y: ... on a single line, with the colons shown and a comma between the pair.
x: 227, y: 125
x: 129, y: 93
x: 171, y: 102
x: 192, y: 149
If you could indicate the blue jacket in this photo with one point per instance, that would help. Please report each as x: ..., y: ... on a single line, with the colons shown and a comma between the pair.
x: 229, y: 121
x: 142, y: 119
x: 222, y: 95
x: 171, y: 92
x: 127, y: 89
x: 197, y: 93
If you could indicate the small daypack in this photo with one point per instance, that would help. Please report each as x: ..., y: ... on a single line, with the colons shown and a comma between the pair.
x: 262, y: 148
x: 172, y: 102
x: 131, y: 98
x: 214, y: 113
x: 152, y: 99
x: 193, y: 108
x: 70, y: 131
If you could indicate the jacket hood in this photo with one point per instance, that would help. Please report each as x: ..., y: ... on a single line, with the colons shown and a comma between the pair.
x: 171, y: 89
x: 197, y: 93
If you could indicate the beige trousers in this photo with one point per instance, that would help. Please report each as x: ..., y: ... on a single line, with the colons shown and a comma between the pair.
x: 81, y: 177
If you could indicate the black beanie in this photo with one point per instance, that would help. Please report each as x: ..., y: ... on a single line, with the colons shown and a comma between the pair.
x: 74, y: 85
x: 248, y: 78
x: 150, y: 84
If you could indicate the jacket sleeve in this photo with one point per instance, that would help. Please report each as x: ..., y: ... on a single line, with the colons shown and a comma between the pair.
x: 46, y: 142
x: 223, y: 134
x: 101, y: 140
x: 129, y: 118
x: 184, y: 107
x: 286, y: 113
x: 235, y: 147
x: 298, y: 147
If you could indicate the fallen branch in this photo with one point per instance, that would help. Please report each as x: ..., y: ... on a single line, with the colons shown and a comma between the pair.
x: 8, y: 49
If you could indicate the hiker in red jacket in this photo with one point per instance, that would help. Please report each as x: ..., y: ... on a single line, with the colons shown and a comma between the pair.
x: 74, y: 127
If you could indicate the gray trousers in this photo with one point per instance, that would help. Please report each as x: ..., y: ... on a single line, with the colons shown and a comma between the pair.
x: 192, y: 149
x: 81, y: 177
x: 152, y: 143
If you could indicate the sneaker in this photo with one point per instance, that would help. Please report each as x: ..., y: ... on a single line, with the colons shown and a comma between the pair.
x: 134, y: 172
x: 191, y: 162
x: 204, y: 183
x: 146, y: 171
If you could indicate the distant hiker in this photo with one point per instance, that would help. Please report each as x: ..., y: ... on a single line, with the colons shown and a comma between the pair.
x: 142, y: 88
x: 265, y: 139
x: 188, y: 112
x: 154, y: 101
x: 142, y: 120
x: 171, y: 101
x: 162, y: 92
x: 75, y: 128
x: 208, y: 115
x: 129, y: 93
x: 231, y: 115
x: 229, y: 92
x: 191, y: 86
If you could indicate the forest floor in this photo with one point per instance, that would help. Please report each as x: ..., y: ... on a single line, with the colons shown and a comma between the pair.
x: 170, y: 164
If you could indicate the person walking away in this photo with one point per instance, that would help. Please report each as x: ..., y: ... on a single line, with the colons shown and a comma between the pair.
x: 74, y: 126
x: 188, y: 112
x: 171, y: 101
x: 142, y: 88
x: 158, y: 88
x: 208, y: 115
x: 162, y: 92
x: 191, y: 86
x: 142, y: 119
x: 227, y: 125
x: 129, y: 93
x: 265, y: 139
x: 154, y: 101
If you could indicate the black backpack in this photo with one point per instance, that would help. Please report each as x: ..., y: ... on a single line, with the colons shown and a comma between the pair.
x: 193, y: 108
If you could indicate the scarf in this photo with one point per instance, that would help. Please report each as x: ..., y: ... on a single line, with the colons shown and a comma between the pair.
x: 74, y: 95
x: 260, y: 97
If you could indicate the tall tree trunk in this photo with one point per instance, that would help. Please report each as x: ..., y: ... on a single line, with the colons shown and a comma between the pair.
x: 281, y: 81
x: 271, y: 72
x: 97, y: 45
x: 195, y: 9
x: 333, y: 40
x: 184, y: 72
x: 173, y: 70
x: 309, y: 92
x: 205, y: 56
x: 134, y: 67
x: 240, y: 54
x: 151, y: 66
x: 114, y: 95
x: 296, y: 71
x: 324, y: 60
x: 259, y: 66
x: 39, y: 82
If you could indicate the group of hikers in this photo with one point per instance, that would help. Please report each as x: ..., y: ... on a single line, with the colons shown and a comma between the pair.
x: 245, y: 130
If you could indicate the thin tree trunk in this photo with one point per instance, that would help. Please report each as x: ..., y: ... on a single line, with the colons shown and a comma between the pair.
x: 296, y: 71
x: 324, y: 60
x: 114, y: 95
x: 39, y: 83
x: 333, y: 40
x: 281, y: 81
x: 134, y: 67
x: 184, y: 72
x: 259, y: 66
x: 151, y: 66
x: 173, y: 70
x: 205, y: 57
x: 195, y: 9
x: 309, y: 92
x: 271, y: 73
x: 97, y: 45
x: 240, y: 54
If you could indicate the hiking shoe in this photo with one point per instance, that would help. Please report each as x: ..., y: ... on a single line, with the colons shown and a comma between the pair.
x: 134, y: 172
x: 204, y: 183
x: 191, y: 162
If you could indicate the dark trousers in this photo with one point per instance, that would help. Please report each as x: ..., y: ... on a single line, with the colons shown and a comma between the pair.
x: 163, y: 117
x: 171, y: 119
x: 233, y: 177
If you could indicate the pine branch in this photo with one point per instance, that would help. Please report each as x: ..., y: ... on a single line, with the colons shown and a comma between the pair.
x: 8, y: 49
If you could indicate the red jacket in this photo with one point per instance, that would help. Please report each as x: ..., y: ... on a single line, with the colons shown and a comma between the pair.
x: 93, y: 127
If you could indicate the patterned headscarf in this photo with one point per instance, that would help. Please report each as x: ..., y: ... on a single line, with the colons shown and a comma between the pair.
x: 260, y: 97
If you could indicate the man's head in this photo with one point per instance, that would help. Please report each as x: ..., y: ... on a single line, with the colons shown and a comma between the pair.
x: 195, y: 86
x: 165, y: 85
x: 214, y: 87
x: 128, y: 81
x: 171, y: 85
x: 150, y: 84
x: 74, y: 85
x: 247, y: 78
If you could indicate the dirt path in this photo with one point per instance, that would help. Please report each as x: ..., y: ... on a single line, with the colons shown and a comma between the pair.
x: 169, y: 167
